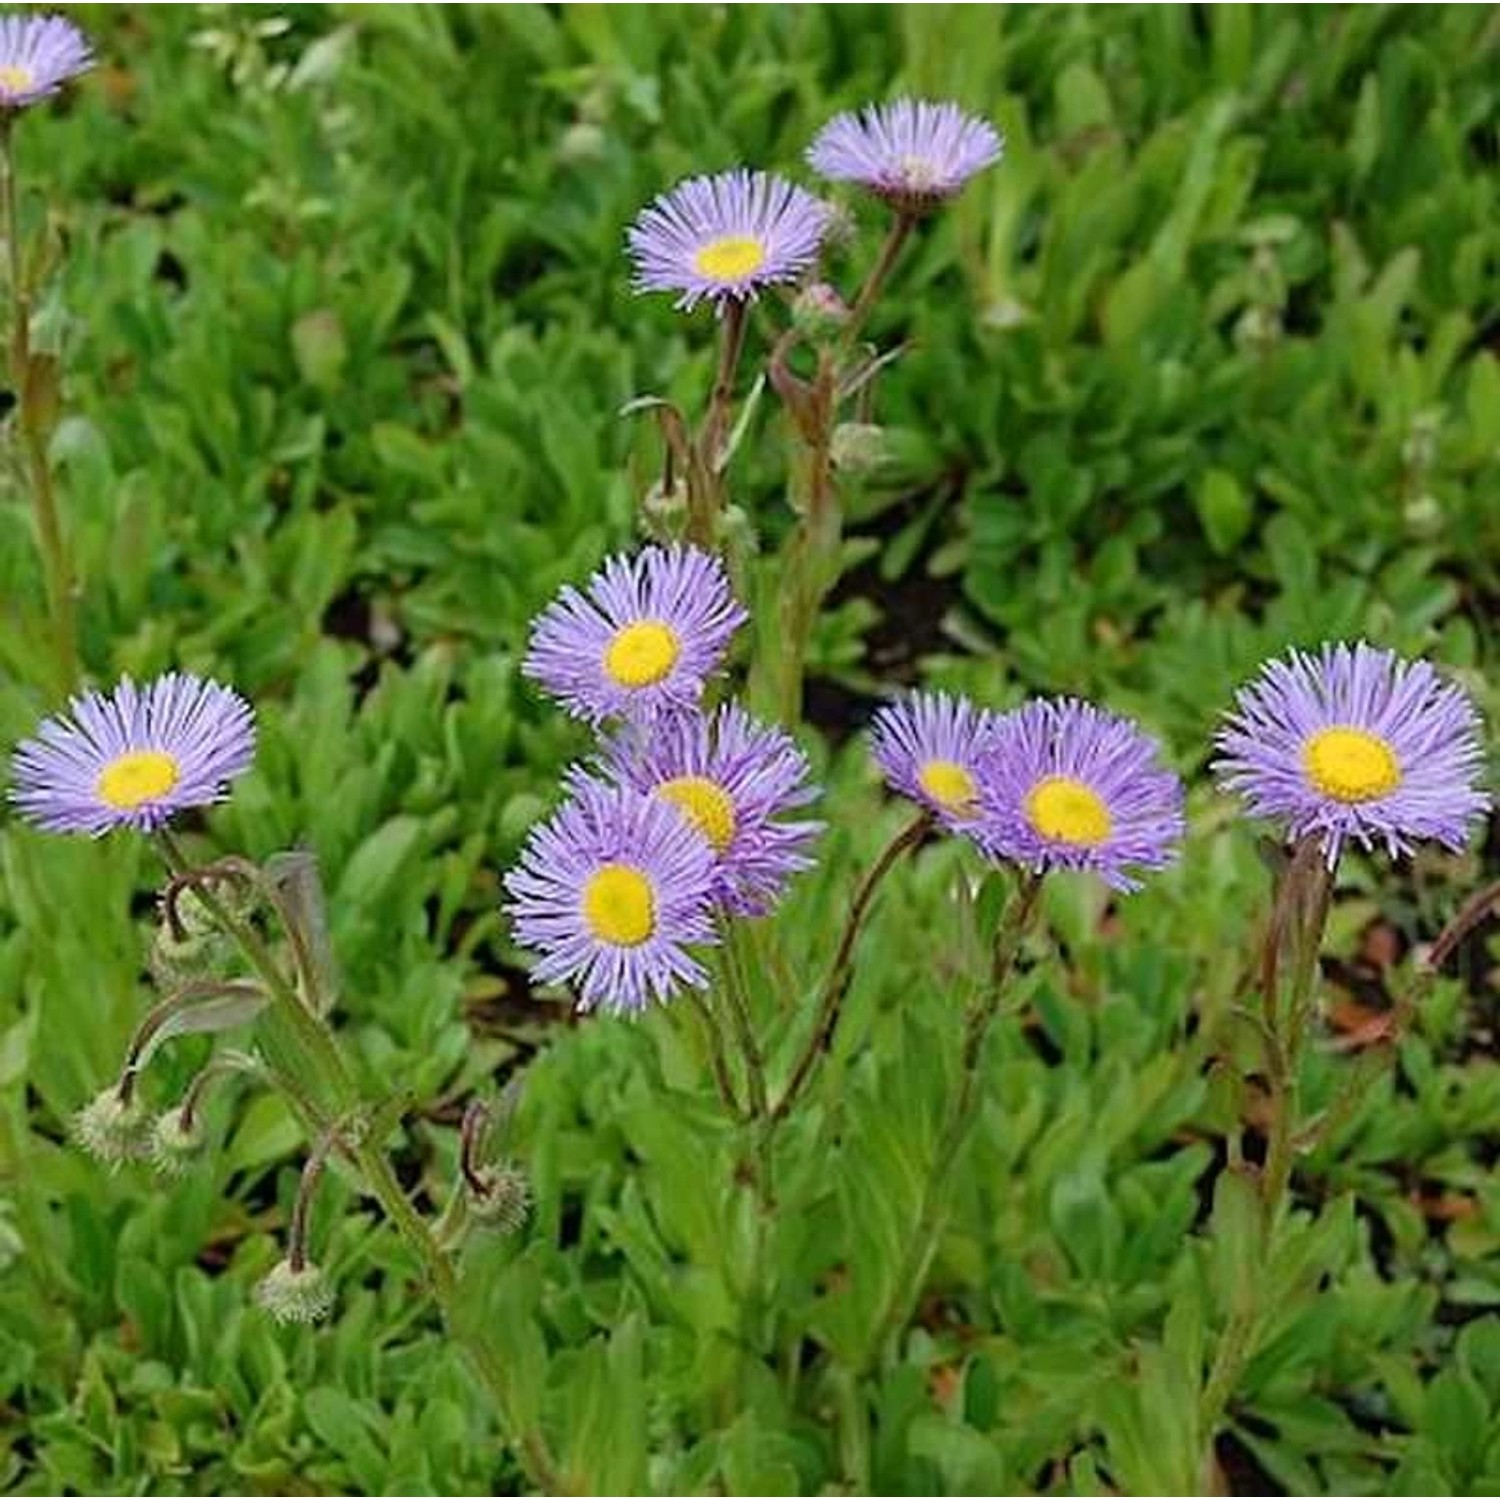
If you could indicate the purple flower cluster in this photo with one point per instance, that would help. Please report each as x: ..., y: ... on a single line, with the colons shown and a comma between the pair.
x: 1055, y: 785
x: 1350, y: 743
x: 725, y: 237
x: 685, y: 815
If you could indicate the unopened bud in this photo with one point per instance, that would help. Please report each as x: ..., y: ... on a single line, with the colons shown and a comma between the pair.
x: 665, y: 506
x: 295, y: 1294
x: 112, y: 1128
x: 582, y: 142
x: 191, y: 948
x: 858, y: 447
x: 500, y: 1197
x: 176, y: 1140
x: 818, y: 311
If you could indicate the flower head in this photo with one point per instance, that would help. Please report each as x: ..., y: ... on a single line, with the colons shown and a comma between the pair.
x: 645, y: 636
x: 725, y: 237
x: 134, y: 757
x: 912, y: 153
x: 113, y: 1127
x: 38, y: 54
x: 1355, y: 743
x: 611, y: 892
x: 733, y: 778
x: 929, y: 747
x: 295, y: 1293
x: 1065, y: 785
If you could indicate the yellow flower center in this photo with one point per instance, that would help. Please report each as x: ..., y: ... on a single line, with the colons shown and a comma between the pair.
x: 137, y: 776
x: 14, y: 79
x: 1068, y: 812
x: 948, y: 784
x: 619, y: 906
x: 1351, y: 765
x: 706, y: 804
x: 642, y: 653
x: 730, y: 258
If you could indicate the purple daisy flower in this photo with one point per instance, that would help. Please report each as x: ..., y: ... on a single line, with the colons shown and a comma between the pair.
x: 733, y: 778
x: 611, y: 892
x: 929, y: 747
x: 646, y: 636
x: 134, y: 757
x: 725, y: 237
x: 1355, y: 743
x: 38, y: 54
x: 912, y: 153
x: 1067, y: 786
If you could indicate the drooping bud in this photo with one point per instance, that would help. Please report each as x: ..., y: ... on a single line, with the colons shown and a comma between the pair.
x: 499, y: 1197
x: 188, y: 948
x: 113, y: 1128
x: 176, y: 1139
x: 295, y: 1294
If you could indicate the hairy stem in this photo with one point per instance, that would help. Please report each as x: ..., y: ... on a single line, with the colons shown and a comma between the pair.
x: 1011, y: 933
x: 841, y: 971
x: 32, y: 425
x: 372, y: 1163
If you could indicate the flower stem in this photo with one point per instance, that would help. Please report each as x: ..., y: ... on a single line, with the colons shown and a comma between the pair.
x: 841, y: 972
x: 322, y: 1050
x: 1011, y: 933
x: 1294, y: 939
x: 32, y: 425
x: 890, y: 251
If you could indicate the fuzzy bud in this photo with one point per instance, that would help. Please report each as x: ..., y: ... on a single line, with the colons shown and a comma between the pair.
x: 175, y: 1142
x: 113, y: 1129
x: 858, y: 447
x: 500, y: 1198
x: 664, y: 508
x: 193, y: 948
x: 293, y: 1295
x: 819, y: 312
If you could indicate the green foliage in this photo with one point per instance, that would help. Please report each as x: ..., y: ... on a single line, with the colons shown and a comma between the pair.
x: 1206, y: 367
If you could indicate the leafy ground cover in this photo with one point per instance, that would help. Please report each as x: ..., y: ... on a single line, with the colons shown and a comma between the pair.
x: 1207, y: 367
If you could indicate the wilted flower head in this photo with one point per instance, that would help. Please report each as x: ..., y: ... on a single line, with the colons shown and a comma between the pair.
x: 928, y: 746
x: 134, y: 757
x: 1064, y: 785
x: 912, y: 153
x: 612, y: 891
x: 645, y: 636
x: 295, y: 1293
x: 38, y: 54
x: 734, y: 779
x: 1355, y: 743
x: 499, y: 1197
x: 725, y: 237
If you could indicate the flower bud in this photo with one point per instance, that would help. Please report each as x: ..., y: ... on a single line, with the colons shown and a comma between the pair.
x: 818, y: 311
x: 175, y: 1141
x: 858, y: 447
x: 295, y: 1295
x: 194, y: 948
x: 113, y: 1129
x: 500, y: 1198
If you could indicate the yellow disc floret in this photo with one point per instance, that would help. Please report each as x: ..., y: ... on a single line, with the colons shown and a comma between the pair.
x: 14, y: 79
x: 619, y: 906
x: 1068, y: 812
x: 730, y: 258
x: 642, y: 653
x: 948, y: 784
x: 1351, y: 765
x: 707, y: 806
x: 137, y: 776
